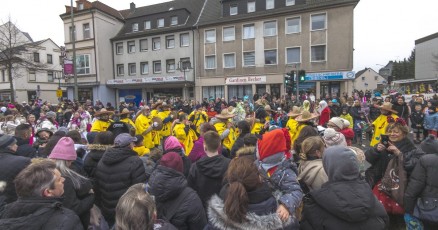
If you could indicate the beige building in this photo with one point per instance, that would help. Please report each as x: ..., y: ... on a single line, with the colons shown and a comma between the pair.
x: 248, y: 46
x: 367, y: 79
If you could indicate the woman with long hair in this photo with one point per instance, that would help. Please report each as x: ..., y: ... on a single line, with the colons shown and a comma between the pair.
x: 245, y: 202
x: 311, y: 173
x: 78, y: 192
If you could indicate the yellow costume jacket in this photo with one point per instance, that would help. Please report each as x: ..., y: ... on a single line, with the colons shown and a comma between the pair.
x: 100, y: 126
x: 166, y: 130
x: 141, y: 150
x: 229, y: 140
x: 380, y: 125
x: 292, y: 126
x: 257, y: 127
x: 156, y: 137
x: 198, y: 118
x: 187, y: 139
x: 141, y: 124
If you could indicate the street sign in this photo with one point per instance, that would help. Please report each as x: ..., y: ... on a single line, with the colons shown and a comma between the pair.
x: 59, y: 93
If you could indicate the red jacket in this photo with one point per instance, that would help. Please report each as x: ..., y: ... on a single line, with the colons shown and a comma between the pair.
x: 348, y: 134
x: 325, y: 116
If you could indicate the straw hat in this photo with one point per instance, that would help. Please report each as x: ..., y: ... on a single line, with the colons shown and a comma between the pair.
x: 388, y: 107
x: 306, y: 116
x: 224, y: 114
x: 156, y: 104
x: 126, y: 111
x: 103, y: 111
x: 231, y: 110
x: 295, y: 112
x: 157, y: 123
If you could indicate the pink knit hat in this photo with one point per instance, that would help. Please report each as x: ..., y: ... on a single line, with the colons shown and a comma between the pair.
x: 64, y: 150
x: 172, y: 143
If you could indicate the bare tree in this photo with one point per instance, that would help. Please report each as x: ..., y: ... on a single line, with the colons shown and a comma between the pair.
x: 17, y: 54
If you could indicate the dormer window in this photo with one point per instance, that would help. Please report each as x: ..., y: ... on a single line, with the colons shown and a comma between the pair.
x: 147, y: 25
x: 251, y: 6
x: 290, y: 2
x: 135, y: 27
x: 160, y: 22
x: 270, y: 4
x: 174, y: 21
x: 80, y: 6
x: 233, y: 9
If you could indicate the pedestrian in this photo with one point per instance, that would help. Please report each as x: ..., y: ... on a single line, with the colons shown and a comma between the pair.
x: 417, y: 120
x: 198, y: 150
x: 243, y: 128
x: 102, y: 142
x: 324, y: 113
x: 311, y: 174
x: 431, y: 121
x: 23, y: 134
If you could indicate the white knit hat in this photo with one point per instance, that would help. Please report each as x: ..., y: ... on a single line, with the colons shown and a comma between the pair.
x: 338, y: 122
x: 332, y: 138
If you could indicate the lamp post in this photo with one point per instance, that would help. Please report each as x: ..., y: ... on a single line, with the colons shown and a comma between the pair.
x: 73, y: 36
x: 184, y: 66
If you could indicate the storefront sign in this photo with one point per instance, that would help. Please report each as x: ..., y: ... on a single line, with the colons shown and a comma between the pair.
x: 330, y: 76
x: 245, y: 80
x: 68, y: 67
x: 145, y: 80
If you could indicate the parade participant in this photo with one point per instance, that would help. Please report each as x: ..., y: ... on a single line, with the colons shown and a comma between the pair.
x: 167, y: 117
x: 381, y: 122
x: 143, y: 126
x: 292, y: 124
x: 103, y: 120
x: 258, y: 122
x: 324, y: 113
x: 40, y: 187
x: 226, y: 130
x: 184, y: 131
x: 305, y: 119
x: 48, y: 121
x: 198, y: 117
x: 117, y: 127
x: 139, y: 146
x: 86, y: 116
x: 125, y: 116
x: 155, y: 133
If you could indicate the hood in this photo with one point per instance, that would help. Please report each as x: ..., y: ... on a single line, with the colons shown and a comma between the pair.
x: 214, y: 167
x: 171, y: 143
x: 311, y: 171
x: 166, y: 183
x: 28, y: 207
x: 220, y: 220
x: 116, y: 155
x: 352, y: 201
x: 340, y: 164
x: 98, y: 147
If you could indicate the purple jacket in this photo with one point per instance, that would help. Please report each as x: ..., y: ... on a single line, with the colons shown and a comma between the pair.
x: 197, y: 150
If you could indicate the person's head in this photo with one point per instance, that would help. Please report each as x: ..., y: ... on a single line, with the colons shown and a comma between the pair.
x: 31, y: 118
x: 124, y: 140
x: 75, y: 136
x: 212, y: 141
x: 139, y: 141
x: 400, y: 100
x: 312, y: 148
x: 104, y: 138
x: 8, y: 142
x: 336, y: 123
x: 242, y: 176
x: 250, y: 140
x: 146, y: 111
x: 397, y: 130
x: 356, y: 103
x: 387, y: 99
x: 340, y: 164
x: 76, y: 115
x: 23, y: 131
x: 136, y: 209
x: 173, y: 161
x: 248, y: 151
x: 418, y: 107
x: 205, y: 127
x: 39, y: 179
x: 244, y: 127
x: 344, y: 110
x: 332, y: 138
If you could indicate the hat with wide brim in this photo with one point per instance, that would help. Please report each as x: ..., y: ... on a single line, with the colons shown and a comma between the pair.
x: 157, y: 123
x: 306, y: 116
x: 125, y: 111
x: 156, y: 104
x: 295, y: 112
x: 224, y: 114
x: 231, y: 110
x: 388, y: 107
x: 44, y: 129
x: 103, y: 112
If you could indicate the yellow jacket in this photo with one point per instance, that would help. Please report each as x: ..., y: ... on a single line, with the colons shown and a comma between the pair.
x: 199, y: 117
x: 257, y: 127
x: 128, y: 121
x: 292, y: 126
x: 156, y: 137
x: 142, y: 123
x: 229, y: 140
x: 100, y: 126
x: 349, y: 119
x: 166, y: 130
x: 380, y: 125
x: 187, y: 139
x: 141, y: 150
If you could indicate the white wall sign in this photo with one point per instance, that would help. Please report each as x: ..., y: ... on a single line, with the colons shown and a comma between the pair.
x: 245, y: 80
x: 145, y: 80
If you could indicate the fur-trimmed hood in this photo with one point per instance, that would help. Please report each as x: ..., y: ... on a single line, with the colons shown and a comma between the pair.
x: 98, y: 147
x: 219, y: 220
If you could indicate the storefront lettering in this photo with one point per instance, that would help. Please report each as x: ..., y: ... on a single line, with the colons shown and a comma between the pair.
x: 245, y: 80
x: 146, y: 80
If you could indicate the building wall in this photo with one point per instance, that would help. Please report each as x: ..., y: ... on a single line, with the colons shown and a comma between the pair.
x: 371, y: 78
x: 426, y: 66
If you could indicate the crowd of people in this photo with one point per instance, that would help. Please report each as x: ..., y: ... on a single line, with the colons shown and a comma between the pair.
x: 251, y: 163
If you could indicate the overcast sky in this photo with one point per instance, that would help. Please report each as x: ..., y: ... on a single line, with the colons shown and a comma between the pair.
x: 384, y: 30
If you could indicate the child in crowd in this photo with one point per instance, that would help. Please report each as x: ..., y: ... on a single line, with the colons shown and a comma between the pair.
x: 417, y: 119
x: 345, y: 115
x: 431, y: 121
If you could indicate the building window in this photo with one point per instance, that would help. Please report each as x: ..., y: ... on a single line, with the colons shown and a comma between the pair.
x: 290, y: 2
x: 318, y: 53
x: 214, y: 91
x: 251, y: 7
x: 210, y: 62
x: 80, y: 6
x: 156, y: 43
x: 120, y: 70
x: 86, y: 28
x: 170, y: 65
x: 119, y: 48
x: 143, y: 45
x: 210, y: 36
x: 185, y: 62
x: 293, y: 55
x: 375, y: 78
x: 248, y: 31
x: 233, y: 9
x: 157, y: 66
x: 293, y: 25
x: 270, y: 28
x: 132, y: 69
x: 131, y: 46
x: 83, y: 64
x: 144, y: 68
x: 170, y: 42
x: 270, y: 57
x: 32, y: 75
x: 270, y: 4
x: 229, y: 61
x: 72, y: 33
x: 363, y: 78
x: 50, y: 76
x: 184, y: 39
x: 49, y: 59
x: 174, y: 20
x: 249, y: 58
x: 229, y: 33
x: 135, y: 27
x: 36, y: 57
x: 160, y: 22
x: 318, y: 21
x: 147, y: 25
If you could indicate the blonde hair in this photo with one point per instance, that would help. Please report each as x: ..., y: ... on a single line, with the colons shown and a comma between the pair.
x: 310, y: 145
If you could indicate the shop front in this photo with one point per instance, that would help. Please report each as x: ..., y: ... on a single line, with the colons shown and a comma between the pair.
x: 331, y: 83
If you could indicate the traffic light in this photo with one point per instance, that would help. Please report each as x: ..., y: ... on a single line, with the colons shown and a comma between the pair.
x: 289, y: 81
x: 302, y: 76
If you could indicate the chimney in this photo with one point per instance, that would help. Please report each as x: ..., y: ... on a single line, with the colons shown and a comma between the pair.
x: 132, y: 6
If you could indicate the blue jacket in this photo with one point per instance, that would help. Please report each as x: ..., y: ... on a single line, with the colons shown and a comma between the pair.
x: 431, y: 121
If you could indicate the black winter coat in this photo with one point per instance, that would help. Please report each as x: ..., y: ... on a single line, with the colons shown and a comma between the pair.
x: 78, y: 200
x: 206, y: 176
x: 417, y: 118
x: 93, y: 158
x: 238, y: 144
x: 10, y: 166
x: 167, y: 185
x: 119, y: 169
x: 343, y: 205
x: 24, y: 148
x: 354, y: 112
x: 374, y: 113
x: 402, y: 110
x: 39, y: 213
x: 423, y: 181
